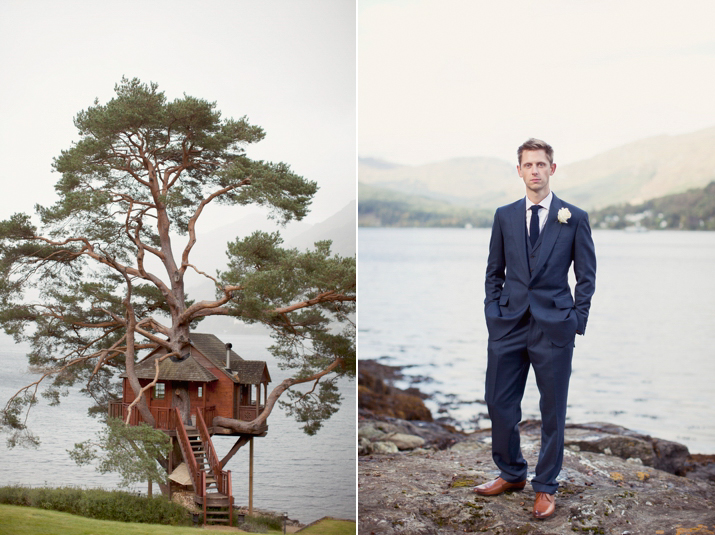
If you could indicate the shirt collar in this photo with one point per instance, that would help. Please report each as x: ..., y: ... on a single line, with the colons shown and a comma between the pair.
x: 545, y: 203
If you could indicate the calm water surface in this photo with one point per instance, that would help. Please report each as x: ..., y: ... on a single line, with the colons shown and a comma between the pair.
x: 647, y: 361
x: 308, y: 477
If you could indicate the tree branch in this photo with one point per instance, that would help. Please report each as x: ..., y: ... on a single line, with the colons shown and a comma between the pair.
x: 259, y: 423
x: 199, y: 309
x: 324, y: 297
x: 192, y: 221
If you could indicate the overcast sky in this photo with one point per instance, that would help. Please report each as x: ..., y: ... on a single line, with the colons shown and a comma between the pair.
x: 287, y: 65
x: 449, y: 78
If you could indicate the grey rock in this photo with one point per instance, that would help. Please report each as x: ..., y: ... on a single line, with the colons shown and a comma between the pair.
x: 704, y: 470
x: 369, y: 431
x: 405, y: 442
x: 386, y: 427
x: 433, y: 433
x: 384, y: 447
x: 364, y: 446
x: 612, y: 439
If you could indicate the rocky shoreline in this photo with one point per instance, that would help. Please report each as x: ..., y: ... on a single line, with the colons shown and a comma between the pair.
x: 415, y: 475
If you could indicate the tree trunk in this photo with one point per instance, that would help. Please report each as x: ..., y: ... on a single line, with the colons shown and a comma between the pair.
x: 165, y: 491
x: 181, y: 400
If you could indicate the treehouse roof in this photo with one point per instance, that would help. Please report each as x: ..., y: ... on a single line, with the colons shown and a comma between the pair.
x: 214, y: 349
x: 187, y: 369
x: 190, y: 369
x: 251, y: 372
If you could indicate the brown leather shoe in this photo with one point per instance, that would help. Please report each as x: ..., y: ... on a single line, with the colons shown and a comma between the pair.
x: 498, y: 486
x: 544, y: 505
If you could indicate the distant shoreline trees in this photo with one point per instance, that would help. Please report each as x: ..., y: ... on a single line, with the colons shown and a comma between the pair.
x: 691, y: 210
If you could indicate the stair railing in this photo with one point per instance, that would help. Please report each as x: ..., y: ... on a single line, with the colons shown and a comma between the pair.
x: 203, y: 493
x: 230, y: 498
x: 221, y: 476
x: 209, y: 413
x: 188, y: 454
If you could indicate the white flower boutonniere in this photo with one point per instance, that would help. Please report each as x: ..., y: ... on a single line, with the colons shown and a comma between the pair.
x: 563, y: 215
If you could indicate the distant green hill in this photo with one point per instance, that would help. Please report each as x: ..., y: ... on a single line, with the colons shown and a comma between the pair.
x: 692, y: 210
x: 379, y: 207
x: 640, y: 171
x: 461, y: 190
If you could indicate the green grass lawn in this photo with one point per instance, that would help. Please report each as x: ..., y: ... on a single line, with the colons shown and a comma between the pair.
x: 18, y: 520
x: 329, y: 526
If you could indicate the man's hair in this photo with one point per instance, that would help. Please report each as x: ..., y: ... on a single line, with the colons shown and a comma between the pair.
x: 536, y: 144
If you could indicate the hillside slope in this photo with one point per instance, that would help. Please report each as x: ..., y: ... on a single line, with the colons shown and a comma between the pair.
x: 640, y: 171
x: 633, y: 173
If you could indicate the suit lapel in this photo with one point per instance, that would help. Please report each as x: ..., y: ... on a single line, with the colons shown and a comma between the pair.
x: 519, y: 220
x: 551, y: 231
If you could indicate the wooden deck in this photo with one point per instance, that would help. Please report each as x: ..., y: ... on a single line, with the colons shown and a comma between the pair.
x: 165, y: 418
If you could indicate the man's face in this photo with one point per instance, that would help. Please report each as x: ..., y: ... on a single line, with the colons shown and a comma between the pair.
x: 535, y: 171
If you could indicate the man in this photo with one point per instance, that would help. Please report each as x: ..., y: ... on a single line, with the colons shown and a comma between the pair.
x: 532, y: 319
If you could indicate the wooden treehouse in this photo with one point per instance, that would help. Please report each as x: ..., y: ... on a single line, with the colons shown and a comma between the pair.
x: 219, y: 383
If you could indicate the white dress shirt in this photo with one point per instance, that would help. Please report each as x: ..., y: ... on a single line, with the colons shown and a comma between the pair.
x: 543, y: 212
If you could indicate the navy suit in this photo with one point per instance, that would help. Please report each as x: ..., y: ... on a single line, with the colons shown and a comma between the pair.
x: 532, y: 319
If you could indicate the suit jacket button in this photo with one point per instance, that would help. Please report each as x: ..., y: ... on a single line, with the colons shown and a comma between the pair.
x: 530, y: 288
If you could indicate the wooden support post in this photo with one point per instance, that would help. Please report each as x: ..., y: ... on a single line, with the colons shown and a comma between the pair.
x: 230, y: 499
x: 171, y: 465
x: 250, y: 478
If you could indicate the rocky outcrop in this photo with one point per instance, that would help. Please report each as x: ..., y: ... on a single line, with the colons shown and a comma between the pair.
x: 391, y: 419
x: 374, y: 435
x: 616, y: 440
x: 606, y: 486
x: 416, y: 477
x: 378, y: 398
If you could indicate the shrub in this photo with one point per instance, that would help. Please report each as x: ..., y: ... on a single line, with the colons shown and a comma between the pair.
x: 260, y: 523
x: 98, y: 504
x: 14, y: 495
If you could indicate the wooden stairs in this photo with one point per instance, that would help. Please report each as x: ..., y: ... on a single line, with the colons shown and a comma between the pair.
x: 212, y: 486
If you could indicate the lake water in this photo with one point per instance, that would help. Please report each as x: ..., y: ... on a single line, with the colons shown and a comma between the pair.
x: 647, y: 361
x: 308, y: 477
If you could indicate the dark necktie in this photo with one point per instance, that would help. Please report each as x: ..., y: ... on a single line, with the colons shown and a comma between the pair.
x: 534, y: 225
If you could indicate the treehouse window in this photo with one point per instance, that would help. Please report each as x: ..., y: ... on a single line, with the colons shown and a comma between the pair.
x: 159, y: 391
x: 201, y: 391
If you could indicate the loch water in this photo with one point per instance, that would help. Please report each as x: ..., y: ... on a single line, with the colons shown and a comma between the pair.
x: 647, y: 361
x: 307, y: 477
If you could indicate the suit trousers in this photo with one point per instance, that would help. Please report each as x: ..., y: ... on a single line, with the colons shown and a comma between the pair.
x: 508, y: 365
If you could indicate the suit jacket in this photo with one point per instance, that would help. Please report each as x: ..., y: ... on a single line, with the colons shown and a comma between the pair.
x: 520, y: 277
